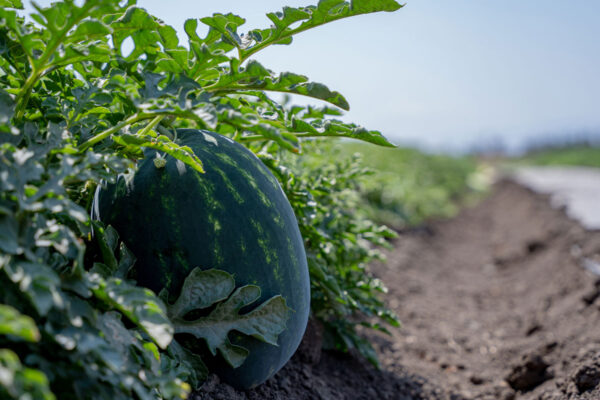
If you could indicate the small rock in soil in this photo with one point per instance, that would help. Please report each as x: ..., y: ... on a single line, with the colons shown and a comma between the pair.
x: 533, y: 328
x: 476, y: 379
x: 587, y: 377
x: 529, y: 373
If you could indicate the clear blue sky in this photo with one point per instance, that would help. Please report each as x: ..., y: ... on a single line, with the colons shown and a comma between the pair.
x: 444, y: 74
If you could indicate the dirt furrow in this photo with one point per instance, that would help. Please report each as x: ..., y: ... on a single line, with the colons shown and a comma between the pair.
x: 495, y: 302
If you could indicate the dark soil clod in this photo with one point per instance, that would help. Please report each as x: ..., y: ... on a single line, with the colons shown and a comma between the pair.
x: 533, y: 328
x: 587, y: 378
x: 529, y: 373
x: 535, y: 246
x: 590, y: 297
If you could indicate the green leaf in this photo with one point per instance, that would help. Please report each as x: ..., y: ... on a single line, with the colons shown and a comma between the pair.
x: 138, y: 304
x: 204, y: 288
x: 141, y: 27
x: 208, y: 53
x: 334, y: 128
x: 7, y: 107
x: 12, y: 4
x: 227, y: 25
x: 162, y: 143
x: 9, y: 235
x: 271, y: 132
x: 309, y: 17
x: 89, y: 29
x: 191, y: 362
x: 12, y: 322
x: 38, y: 282
x: 200, y: 290
x: 321, y: 112
x: 107, y: 241
x: 246, y: 116
x: 256, y: 77
x: 126, y: 262
x: 61, y: 18
x: 17, y: 380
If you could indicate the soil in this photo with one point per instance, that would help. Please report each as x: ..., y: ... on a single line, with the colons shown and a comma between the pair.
x: 496, y: 303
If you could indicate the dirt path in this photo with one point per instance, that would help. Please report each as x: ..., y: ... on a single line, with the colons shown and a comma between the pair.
x: 495, y: 305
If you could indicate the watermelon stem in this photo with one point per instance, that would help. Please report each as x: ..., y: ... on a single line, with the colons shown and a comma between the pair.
x: 106, y: 133
x: 151, y: 125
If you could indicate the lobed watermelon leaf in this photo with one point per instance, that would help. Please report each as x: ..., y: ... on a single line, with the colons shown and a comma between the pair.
x: 164, y: 144
x: 334, y: 128
x: 308, y: 17
x: 256, y: 77
x: 202, y: 289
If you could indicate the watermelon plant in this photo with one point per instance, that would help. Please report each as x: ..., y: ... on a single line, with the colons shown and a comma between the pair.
x: 411, y: 187
x: 340, y: 243
x: 75, y: 110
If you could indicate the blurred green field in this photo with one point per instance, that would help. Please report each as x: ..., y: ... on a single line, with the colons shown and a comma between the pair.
x: 581, y: 155
x: 408, y: 186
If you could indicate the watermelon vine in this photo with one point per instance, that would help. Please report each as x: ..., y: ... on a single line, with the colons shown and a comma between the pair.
x: 75, y: 111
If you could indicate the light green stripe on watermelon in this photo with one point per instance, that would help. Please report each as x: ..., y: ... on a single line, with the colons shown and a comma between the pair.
x: 217, y: 249
x: 257, y: 227
x: 293, y: 258
x: 230, y: 187
x: 252, y: 181
x: 182, y: 261
x: 164, y: 267
x: 207, y: 189
x: 279, y: 221
x: 227, y: 159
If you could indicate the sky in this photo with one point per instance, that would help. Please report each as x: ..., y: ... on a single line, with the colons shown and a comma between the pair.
x: 443, y: 75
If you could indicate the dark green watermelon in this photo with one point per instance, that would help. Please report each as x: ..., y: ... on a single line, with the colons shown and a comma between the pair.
x: 234, y: 217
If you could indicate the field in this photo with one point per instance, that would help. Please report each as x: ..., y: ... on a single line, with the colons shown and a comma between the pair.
x: 408, y: 186
x: 168, y: 229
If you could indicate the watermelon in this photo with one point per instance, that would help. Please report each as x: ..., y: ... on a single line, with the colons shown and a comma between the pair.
x: 234, y: 217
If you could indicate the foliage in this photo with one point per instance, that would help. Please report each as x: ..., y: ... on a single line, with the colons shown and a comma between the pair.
x: 75, y: 109
x: 202, y: 289
x: 410, y: 186
x: 14, y: 378
x: 322, y: 188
